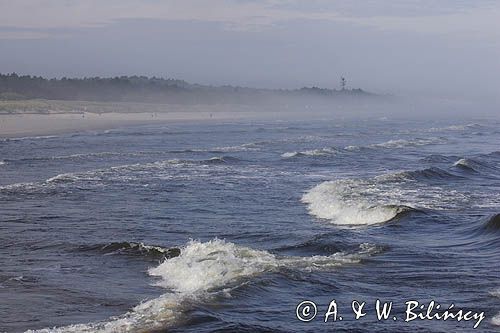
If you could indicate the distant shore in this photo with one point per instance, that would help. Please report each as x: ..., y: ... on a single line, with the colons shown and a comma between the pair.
x: 45, y: 117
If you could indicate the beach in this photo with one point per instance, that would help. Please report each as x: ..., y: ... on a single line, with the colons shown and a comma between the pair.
x: 48, y: 122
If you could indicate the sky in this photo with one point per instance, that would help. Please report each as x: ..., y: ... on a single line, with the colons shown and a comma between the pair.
x: 421, y: 47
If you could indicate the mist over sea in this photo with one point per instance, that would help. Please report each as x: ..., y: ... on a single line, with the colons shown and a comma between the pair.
x: 227, y: 226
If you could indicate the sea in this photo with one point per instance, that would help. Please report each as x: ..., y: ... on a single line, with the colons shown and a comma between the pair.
x: 277, y: 225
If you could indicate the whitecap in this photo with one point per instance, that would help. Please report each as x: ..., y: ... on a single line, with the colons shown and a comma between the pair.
x: 342, y: 203
x: 496, y: 320
x: 495, y: 292
x: 41, y: 137
x: 202, y: 271
x: 364, y: 201
x: 312, y: 152
x: 399, y: 143
x: 455, y: 127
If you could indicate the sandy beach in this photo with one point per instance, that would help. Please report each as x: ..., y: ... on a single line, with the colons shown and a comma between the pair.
x: 38, y: 124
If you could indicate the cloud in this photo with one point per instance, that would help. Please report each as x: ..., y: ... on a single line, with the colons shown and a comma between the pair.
x: 239, y: 14
x: 91, y: 13
x: 377, y: 8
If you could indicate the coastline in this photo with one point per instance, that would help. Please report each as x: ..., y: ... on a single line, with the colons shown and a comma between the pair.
x: 49, y: 122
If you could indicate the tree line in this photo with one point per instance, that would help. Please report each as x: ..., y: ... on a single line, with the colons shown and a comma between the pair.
x: 141, y: 89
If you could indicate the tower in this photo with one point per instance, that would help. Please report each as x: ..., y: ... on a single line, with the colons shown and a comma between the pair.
x: 343, y: 83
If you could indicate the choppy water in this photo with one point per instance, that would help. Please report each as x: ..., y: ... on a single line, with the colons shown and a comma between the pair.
x: 227, y: 227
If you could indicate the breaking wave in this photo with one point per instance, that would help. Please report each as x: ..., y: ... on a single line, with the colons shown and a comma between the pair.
x: 466, y: 164
x: 125, y: 154
x: 119, y: 174
x: 455, y: 127
x: 476, y: 166
x: 26, y: 138
x: 202, y: 271
x: 86, y: 156
x: 409, y: 143
x: 400, y: 143
x: 312, y: 152
x: 391, y: 144
x: 496, y: 319
x: 383, y: 198
x: 339, y: 202
x: 244, y: 147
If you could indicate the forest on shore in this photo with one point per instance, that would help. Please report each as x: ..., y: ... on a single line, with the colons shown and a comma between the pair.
x: 142, y: 89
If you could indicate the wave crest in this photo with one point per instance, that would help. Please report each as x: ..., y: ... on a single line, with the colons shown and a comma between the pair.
x: 385, y: 197
x: 493, y: 223
x: 312, y: 152
x: 201, y: 271
x: 400, y: 143
x: 338, y: 201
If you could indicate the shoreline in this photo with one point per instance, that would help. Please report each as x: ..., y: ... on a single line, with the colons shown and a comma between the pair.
x: 24, y: 124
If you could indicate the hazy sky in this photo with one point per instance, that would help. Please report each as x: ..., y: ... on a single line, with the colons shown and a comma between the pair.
x: 449, y: 47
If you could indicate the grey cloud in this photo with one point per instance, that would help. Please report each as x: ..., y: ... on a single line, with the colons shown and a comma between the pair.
x: 374, y: 8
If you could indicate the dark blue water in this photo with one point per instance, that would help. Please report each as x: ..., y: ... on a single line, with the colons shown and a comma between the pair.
x: 227, y: 227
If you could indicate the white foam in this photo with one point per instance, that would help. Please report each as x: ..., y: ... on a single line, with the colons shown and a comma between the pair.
x: 352, y: 148
x: 312, y: 152
x: 29, y: 138
x: 150, y: 172
x: 16, y: 186
x: 201, y: 271
x: 471, y: 164
x: 496, y: 320
x: 409, y: 143
x: 290, y: 154
x: 381, y: 198
x: 400, y: 143
x: 206, y: 266
x: 462, y: 161
x: 212, y: 265
x: 455, y: 127
x: 339, y: 202
x: 244, y: 147
x: 495, y: 292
